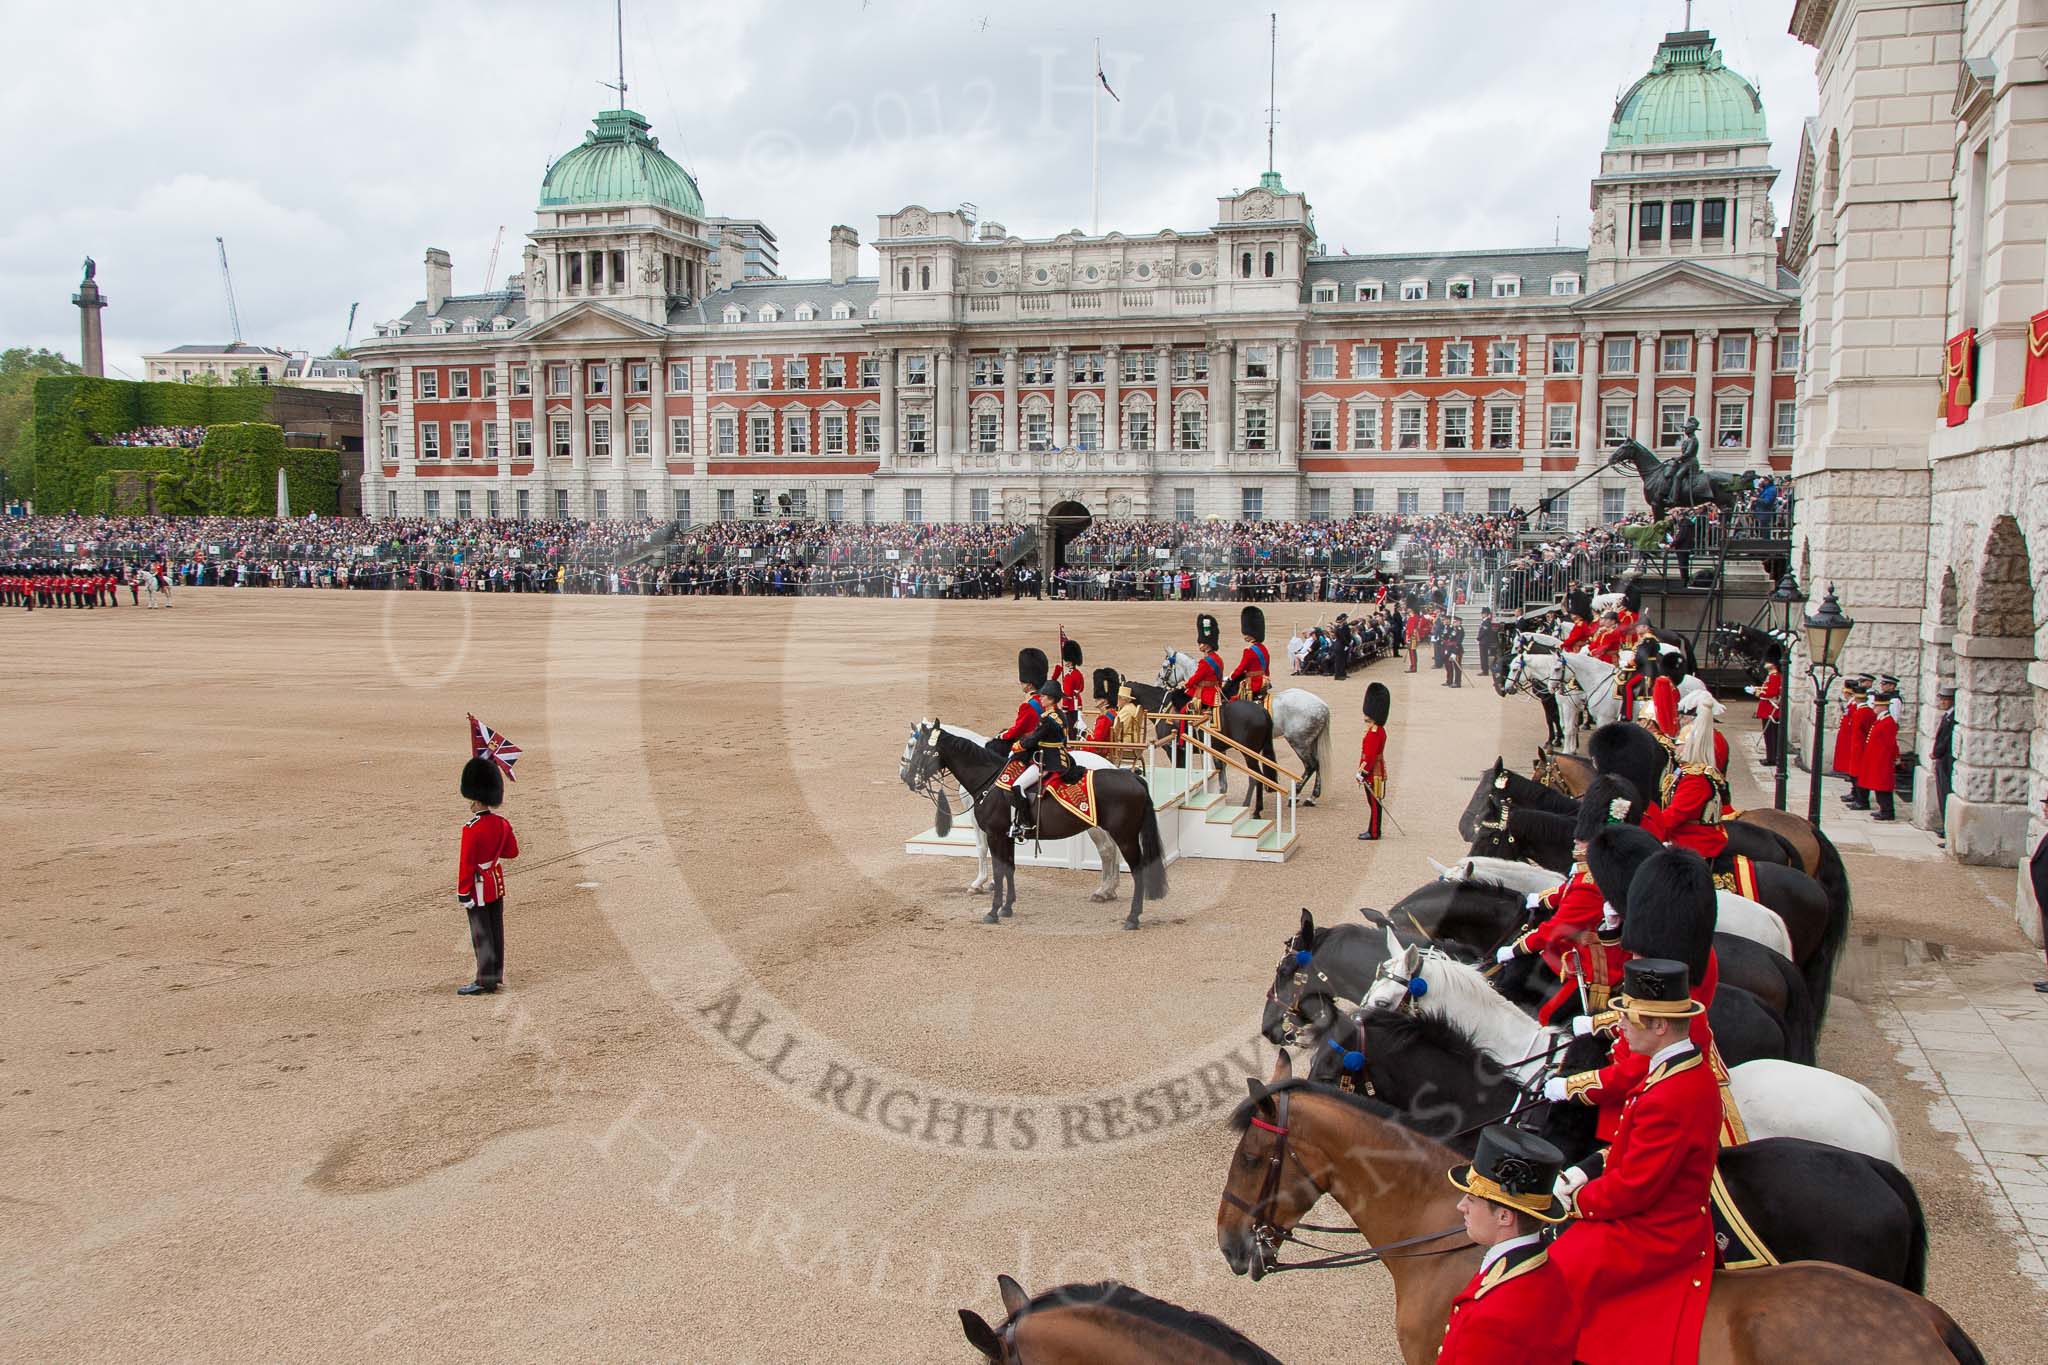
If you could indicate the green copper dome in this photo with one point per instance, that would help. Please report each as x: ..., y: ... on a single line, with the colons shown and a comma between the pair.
x: 618, y: 163
x: 1689, y: 96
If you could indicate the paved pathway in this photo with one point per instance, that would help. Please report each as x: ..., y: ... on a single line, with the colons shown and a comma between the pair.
x: 1851, y: 831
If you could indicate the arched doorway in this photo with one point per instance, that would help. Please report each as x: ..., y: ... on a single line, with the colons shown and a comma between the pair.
x: 1995, y: 711
x: 1062, y: 523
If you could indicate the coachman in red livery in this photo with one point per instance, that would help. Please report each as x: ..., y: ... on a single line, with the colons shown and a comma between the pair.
x: 1518, y: 1307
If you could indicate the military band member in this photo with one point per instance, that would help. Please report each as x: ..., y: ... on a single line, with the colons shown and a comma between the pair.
x: 487, y: 842
x: 1518, y: 1307
x: 1252, y: 679
x: 1372, y: 754
x: 1640, y: 1255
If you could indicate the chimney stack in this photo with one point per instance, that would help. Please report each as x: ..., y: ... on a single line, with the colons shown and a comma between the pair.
x: 440, y: 273
x: 845, y: 254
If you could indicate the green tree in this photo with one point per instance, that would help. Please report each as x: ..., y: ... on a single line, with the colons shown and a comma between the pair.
x: 205, y: 379
x: 20, y: 366
x: 243, y: 377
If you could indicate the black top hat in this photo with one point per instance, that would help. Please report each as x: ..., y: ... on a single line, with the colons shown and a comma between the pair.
x: 1610, y: 800
x: 1251, y: 622
x: 1208, y: 634
x: 1379, y: 703
x: 1032, y: 669
x: 1656, y: 988
x: 481, y: 781
x: 1070, y: 652
x: 1516, y: 1170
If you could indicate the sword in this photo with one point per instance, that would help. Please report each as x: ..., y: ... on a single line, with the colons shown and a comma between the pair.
x: 1386, y: 810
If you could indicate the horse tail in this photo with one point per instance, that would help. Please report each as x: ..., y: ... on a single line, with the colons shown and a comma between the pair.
x: 1802, y: 1039
x: 1834, y: 879
x: 1958, y: 1341
x: 1151, y: 869
x: 1915, y: 1277
x: 1323, y: 744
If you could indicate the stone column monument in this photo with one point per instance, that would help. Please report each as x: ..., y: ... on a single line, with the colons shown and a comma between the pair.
x: 92, y: 356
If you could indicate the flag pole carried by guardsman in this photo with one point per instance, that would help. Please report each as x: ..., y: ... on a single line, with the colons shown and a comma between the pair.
x: 487, y: 842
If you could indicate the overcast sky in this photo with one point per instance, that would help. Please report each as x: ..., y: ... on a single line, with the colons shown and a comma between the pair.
x: 332, y: 144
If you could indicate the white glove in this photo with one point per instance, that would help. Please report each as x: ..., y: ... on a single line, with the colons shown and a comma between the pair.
x: 1582, y: 1025
x: 1535, y: 899
x: 1569, y: 1182
x: 1554, y: 1091
x: 1506, y: 955
x: 1610, y: 918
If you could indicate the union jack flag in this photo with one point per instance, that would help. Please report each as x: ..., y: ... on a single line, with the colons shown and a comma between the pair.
x: 484, y: 742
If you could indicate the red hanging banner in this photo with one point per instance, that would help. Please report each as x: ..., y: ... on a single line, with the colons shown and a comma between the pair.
x: 1959, y: 376
x: 2035, y: 388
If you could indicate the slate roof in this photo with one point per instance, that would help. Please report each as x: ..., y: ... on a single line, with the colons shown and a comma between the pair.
x: 458, y: 308
x: 227, y: 348
x: 859, y: 291
x: 1534, y: 266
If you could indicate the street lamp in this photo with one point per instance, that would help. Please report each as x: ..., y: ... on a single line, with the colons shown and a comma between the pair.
x: 1788, y: 595
x: 1827, y: 634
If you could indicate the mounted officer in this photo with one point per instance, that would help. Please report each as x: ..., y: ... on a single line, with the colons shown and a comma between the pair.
x: 1043, y: 747
x: 1205, y: 685
x: 1252, y: 680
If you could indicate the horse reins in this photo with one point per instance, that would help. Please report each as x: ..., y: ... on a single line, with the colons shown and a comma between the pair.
x: 1271, y: 1237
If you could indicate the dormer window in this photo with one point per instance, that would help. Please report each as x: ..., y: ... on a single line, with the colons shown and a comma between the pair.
x: 841, y: 311
x: 1323, y: 293
x: 769, y: 313
x: 1412, y: 290
x: 470, y: 327
x: 501, y: 324
x: 1564, y: 284
x: 874, y: 310
x: 1507, y: 286
x: 734, y: 313
x: 439, y: 327
x: 806, y: 313
x: 1368, y: 291
x: 1460, y: 287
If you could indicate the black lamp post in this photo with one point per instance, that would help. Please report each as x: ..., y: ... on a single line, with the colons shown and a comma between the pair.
x: 1827, y: 634
x: 1788, y: 595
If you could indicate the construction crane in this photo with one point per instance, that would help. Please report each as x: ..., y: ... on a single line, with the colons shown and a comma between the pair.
x: 349, y: 330
x: 491, y: 270
x: 228, y: 282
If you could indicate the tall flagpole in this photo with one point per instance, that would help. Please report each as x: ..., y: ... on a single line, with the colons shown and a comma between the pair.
x: 1095, y: 145
x: 1272, y: 81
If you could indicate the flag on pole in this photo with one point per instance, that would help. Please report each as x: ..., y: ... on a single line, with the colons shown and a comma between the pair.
x: 1105, y: 80
x: 484, y: 742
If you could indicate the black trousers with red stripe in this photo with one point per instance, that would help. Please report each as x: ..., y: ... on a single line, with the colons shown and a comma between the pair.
x: 487, y: 937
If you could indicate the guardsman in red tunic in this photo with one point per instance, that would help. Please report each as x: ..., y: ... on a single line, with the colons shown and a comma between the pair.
x: 1416, y: 629
x: 1571, y: 938
x: 1689, y: 808
x: 1518, y: 1308
x: 1032, y: 675
x: 1205, y: 685
x: 1768, y: 694
x: 1105, y: 684
x: 487, y: 841
x: 1067, y: 674
x: 1251, y: 681
x: 1640, y: 1255
x: 1877, y: 765
x: 1372, y: 753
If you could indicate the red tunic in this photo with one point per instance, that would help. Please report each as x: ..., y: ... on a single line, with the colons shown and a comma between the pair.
x: 1101, y: 729
x: 1573, y: 928
x: 1608, y: 1088
x: 1679, y: 823
x: 1606, y: 644
x: 1372, y: 755
x: 1878, y: 758
x: 1518, y: 1309
x: 1252, y: 670
x: 1767, y: 697
x: 487, y: 839
x: 1581, y: 635
x: 1204, y: 683
x: 1849, y: 738
x: 1071, y: 688
x: 1028, y: 715
x: 1721, y: 752
x: 1641, y: 1256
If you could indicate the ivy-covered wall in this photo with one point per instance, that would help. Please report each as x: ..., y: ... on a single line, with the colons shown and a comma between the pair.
x: 233, y: 473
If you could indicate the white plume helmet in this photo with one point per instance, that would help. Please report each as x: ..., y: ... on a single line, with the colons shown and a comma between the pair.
x: 1699, y: 698
x: 1696, y: 741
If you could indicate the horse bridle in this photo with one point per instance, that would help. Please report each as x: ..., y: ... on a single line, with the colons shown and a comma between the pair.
x: 1268, y: 1237
x: 923, y: 786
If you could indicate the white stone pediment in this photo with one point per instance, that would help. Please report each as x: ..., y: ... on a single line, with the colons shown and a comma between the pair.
x: 594, y: 322
x: 1682, y: 284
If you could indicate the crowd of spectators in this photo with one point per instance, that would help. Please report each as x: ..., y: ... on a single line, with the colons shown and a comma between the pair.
x: 1352, y: 540
x: 185, y: 438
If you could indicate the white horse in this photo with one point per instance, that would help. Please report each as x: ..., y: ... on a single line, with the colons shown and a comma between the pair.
x: 1733, y: 914
x: 1775, y: 1098
x: 1105, y: 847
x: 1299, y: 716
x: 1541, y: 674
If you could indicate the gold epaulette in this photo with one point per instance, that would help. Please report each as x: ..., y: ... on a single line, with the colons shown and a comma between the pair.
x: 1576, y: 1087
x: 1698, y: 769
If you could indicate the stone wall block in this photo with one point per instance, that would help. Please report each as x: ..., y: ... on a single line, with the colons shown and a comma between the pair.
x: 2010, y: 787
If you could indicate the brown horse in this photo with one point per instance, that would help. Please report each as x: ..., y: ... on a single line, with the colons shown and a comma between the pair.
x: 1104, y: 1324
x: 1302, y: 1140
x: 1573, y: 773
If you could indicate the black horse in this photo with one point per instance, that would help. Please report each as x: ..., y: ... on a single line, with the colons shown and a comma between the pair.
x: 1806, y: 1200
x: 1665, y: 488
x: 1123, y: 810
x: 1750, y: 647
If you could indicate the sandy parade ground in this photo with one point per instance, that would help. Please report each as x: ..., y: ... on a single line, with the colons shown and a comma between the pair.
x: 762, y: 1088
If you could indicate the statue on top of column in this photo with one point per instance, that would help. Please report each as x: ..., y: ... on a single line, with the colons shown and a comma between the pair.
x: 91, y: 270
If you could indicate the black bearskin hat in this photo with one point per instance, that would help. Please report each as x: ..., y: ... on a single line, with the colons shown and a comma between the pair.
x: 481, y: 781
x: 1632, y: 598
x: 1379, y: 703
x: 1670, y: 912
x: 1598, y: 806
x: 1613, y: 857
x: 1672, y: 662
x: 1252, y: 622
x: 1032, y: 669
x: 1208, y: 633
x: 1626, y: 749
x: 1070, y: 652
x: 1579, y: 603
x: 1105, y: 682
